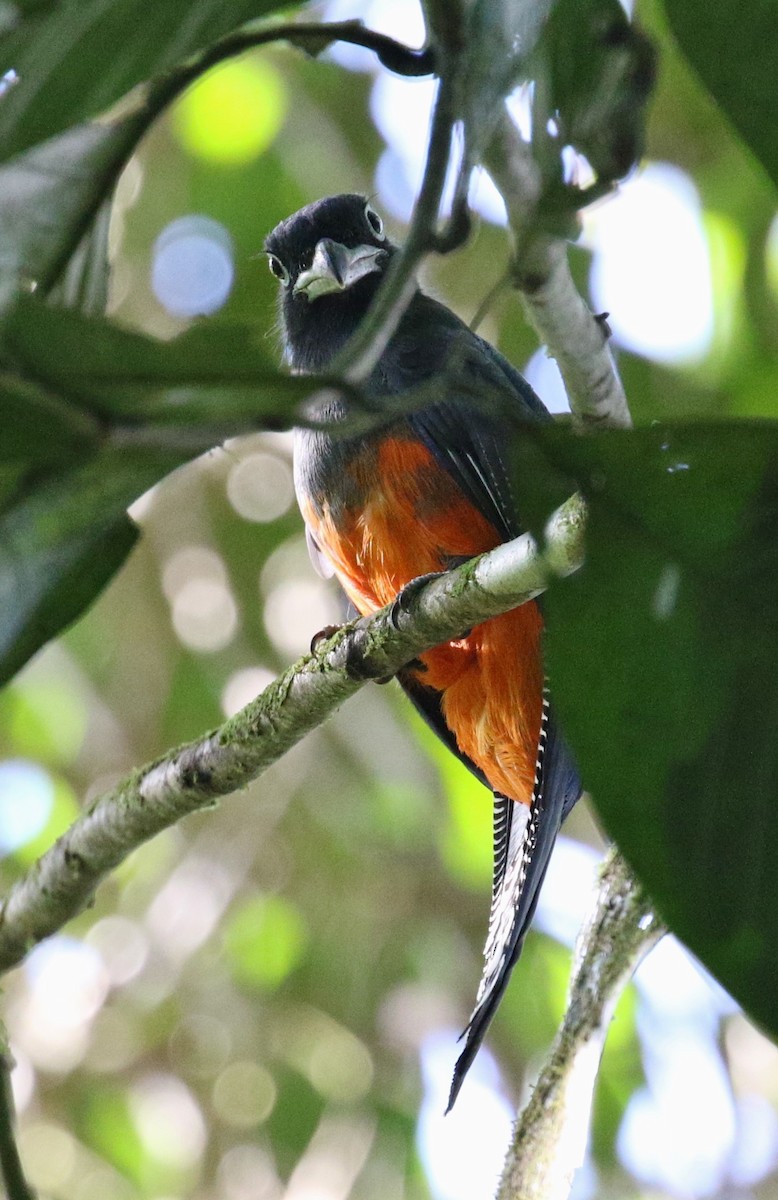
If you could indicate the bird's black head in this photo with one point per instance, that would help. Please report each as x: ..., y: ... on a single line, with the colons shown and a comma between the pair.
x: 329, y: 259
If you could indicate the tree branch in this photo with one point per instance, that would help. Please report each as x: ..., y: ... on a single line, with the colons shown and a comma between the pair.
x: 563, y: 321
x: 191, y: 777
x: 549, y: 1140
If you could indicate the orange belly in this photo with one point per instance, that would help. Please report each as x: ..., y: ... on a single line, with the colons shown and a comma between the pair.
x: 414, y: 523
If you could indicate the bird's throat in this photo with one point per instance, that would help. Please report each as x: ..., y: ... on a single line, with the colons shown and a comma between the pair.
x: 317, y: 330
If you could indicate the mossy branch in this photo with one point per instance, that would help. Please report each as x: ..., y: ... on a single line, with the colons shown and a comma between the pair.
x: 195, y: 775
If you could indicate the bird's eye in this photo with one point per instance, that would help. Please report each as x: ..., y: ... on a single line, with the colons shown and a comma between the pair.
x: 375, y: 222
x: 277, y: 268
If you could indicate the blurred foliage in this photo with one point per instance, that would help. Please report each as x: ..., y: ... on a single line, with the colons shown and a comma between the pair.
x: 250, y: 992
x: 232, y: 114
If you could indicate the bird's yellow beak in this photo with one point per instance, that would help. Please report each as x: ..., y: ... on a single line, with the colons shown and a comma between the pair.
x: 336, y: 267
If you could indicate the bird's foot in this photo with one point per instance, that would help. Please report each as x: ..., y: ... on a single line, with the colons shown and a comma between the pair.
x: 359, y: 666
x: 403, y: 601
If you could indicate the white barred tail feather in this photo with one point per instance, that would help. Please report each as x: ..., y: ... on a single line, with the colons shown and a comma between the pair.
x: 524, y: 836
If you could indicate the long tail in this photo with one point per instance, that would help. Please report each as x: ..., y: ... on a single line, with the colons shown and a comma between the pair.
x: 524, y: 837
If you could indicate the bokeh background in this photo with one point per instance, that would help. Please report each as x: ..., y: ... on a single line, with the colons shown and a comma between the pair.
x: 263, y: 1003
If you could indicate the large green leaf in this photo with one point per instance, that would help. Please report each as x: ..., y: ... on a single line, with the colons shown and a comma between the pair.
x: 596, y: 70
x: 84, y: 282
x: 94, y: 415
x: 82, y: 55
x: 48, y: 197
x: 215, y: 374
x: 61, y: 539
x: 40, y: 427
x: 732, y: 46
x: 663, y: 657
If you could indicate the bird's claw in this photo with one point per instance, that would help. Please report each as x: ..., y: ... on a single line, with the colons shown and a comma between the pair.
x: 404, y: 598
x: 327, y: 632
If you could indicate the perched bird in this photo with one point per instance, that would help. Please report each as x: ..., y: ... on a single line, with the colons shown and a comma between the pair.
x: 420, y: 492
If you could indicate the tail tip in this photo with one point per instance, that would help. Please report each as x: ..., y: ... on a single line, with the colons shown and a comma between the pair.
x: 461, y: 1067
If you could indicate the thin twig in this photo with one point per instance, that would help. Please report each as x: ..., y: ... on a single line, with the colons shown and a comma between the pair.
x: 134, y: 113
x: 371, y: 338
x: 360, y: 355
x: 494, y: 291
x: 549, y: 1141
x: 312, y: 37
x: 11, y: 1172
x: 154, y: 797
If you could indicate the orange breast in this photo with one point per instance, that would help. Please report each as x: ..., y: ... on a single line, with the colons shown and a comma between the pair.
x: 414, y: 520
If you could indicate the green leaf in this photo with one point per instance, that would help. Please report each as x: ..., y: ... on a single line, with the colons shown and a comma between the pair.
x: 214, y: 373
x: 84, y: 283
x: 61, y: 540
x: 39, y: 427
x: 663, y: 657
x: 500, y: 35
x: 598, y: 69
x: 48, y: 197
x: 732, y: 48
x: 51, y: 193
x: 83, y: 55
x: 110, y: 412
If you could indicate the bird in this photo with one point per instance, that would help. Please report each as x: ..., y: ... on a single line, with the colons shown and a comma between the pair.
x: 421, y: 491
